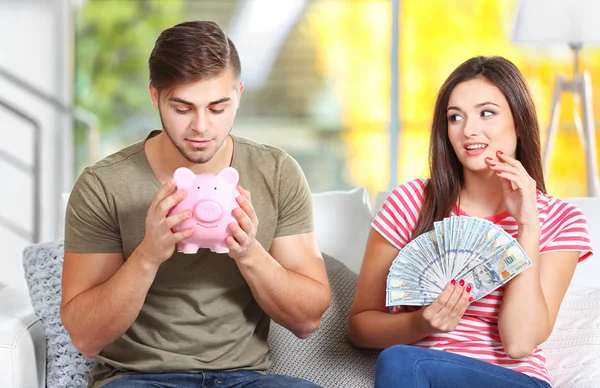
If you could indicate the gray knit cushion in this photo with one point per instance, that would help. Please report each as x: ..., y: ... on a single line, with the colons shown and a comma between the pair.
x: 327, y: 357
x: 65, y: 366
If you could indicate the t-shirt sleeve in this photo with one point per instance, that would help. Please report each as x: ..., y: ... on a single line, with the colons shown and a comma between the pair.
x: 565, y: 229
x: 295, y: 214
x: 397, y: 218
x: 90, y: 225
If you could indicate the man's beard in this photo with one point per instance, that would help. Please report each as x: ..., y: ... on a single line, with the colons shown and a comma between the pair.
x: 200, y: 157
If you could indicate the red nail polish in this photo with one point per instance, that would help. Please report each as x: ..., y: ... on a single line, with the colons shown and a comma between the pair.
x: 498, y: 172
x: 470, y: 299
x: 468, y: 288
x: 492, y: 164
x: 453, y: 282
x: 488, y: 158
x: 500, y: 152
x: 461, y: 283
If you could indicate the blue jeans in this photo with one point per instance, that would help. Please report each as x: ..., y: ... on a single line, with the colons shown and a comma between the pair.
x: 415, y: 367
x: 236, y: 379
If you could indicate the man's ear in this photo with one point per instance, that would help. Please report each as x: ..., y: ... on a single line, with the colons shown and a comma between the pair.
x: 154, y: 95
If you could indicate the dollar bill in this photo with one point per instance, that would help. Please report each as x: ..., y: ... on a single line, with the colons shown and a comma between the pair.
x: 458, y: 247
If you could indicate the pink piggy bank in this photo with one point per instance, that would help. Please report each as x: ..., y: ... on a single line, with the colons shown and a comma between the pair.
x: 211, y: 198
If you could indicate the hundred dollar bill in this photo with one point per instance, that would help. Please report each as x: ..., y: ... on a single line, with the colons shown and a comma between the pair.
x: 498, y: 270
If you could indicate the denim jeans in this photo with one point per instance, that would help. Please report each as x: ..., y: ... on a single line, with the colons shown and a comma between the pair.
x: 237, y: 379
x: 415, y: 367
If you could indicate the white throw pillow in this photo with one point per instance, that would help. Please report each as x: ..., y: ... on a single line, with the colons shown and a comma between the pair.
x: 60, y: 225
x: 342, y: 224
x: 573, y: 349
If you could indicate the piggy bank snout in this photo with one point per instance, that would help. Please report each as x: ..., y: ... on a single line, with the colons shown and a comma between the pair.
x: 208, y: 211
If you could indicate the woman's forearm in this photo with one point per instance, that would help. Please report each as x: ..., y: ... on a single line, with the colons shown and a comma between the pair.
x: 379, y: 330
x: 523, y: 320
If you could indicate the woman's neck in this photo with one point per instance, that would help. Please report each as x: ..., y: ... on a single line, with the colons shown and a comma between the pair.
x: 481, y: 194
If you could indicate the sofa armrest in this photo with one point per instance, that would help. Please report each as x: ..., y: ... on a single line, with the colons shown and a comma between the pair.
x: 22, y: 342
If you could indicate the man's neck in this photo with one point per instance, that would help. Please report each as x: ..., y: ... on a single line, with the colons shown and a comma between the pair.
x: 165, y: 158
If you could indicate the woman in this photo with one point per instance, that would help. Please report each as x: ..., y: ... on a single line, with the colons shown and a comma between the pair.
x: 484, y: 162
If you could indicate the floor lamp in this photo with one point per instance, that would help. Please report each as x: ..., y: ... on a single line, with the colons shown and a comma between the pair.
x: 565, y: 22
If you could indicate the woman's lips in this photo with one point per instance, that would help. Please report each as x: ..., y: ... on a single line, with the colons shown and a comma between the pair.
x: 476, y: 151
x: 477, y: 148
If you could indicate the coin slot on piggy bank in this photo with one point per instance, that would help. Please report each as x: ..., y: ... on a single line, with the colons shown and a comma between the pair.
x: 211, y: 198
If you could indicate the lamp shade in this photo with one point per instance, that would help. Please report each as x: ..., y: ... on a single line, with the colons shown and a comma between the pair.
x: 550, y: 22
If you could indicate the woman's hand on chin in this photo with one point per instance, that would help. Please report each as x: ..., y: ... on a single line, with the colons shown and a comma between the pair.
x: 520, y: 190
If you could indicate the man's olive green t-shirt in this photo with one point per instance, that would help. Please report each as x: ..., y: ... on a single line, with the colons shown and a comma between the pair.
x: 199, y: 314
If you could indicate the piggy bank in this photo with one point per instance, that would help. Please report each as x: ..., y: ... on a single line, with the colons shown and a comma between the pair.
x: 211, y: 199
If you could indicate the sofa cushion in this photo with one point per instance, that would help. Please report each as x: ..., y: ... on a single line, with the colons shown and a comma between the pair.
x: 326, y: 357
x: 342, y: 224
x: 573, y: 348
x: 65, y: 366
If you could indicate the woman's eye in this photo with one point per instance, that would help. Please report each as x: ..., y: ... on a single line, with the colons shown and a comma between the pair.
x: 454, y: 118
x: 486, y: 113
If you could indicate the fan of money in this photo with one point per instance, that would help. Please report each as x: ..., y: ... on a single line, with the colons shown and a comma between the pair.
x: 459, y: 247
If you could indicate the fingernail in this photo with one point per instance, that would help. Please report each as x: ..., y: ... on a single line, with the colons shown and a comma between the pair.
x: 468, y: 288
x: 461, y: 283
x: 498, y: 172
x: 492, y: 164
x: 453, y: 282
x: 488, y: 158
x: 500, y: 152
x: 470, y: 299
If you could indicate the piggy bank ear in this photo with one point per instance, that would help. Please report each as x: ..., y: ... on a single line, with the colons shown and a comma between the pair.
x: 229, y: 175
x: 184, y: 177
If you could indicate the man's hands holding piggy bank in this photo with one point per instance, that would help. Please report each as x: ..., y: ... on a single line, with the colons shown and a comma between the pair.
x: 196, y: 211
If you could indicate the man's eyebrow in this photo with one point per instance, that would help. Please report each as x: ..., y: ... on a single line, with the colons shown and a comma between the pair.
x: 219, y: 101
x: 177, y: 99
x: 191, y: 104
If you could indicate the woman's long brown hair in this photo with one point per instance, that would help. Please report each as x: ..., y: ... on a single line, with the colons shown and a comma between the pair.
x: 442, y: 190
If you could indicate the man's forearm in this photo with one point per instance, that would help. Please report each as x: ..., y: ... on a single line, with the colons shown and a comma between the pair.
x: 289, y: 298
x: 98, y: 316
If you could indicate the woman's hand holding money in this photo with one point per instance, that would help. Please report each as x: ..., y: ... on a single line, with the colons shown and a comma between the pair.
x: 448, y: 308
x: 520, y: 190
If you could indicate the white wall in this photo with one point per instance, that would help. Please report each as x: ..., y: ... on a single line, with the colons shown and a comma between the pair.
x: 35, y: 45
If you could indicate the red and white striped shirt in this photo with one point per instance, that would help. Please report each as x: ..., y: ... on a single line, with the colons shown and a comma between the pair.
x: 564, y: 228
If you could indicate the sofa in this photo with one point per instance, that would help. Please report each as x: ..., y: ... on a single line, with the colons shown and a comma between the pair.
x: 35, y: 351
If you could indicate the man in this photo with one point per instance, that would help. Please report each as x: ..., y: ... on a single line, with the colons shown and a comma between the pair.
x: 156, y: 317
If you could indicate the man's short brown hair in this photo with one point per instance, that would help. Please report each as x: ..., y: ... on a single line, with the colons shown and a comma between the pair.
x: 190, y: 52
